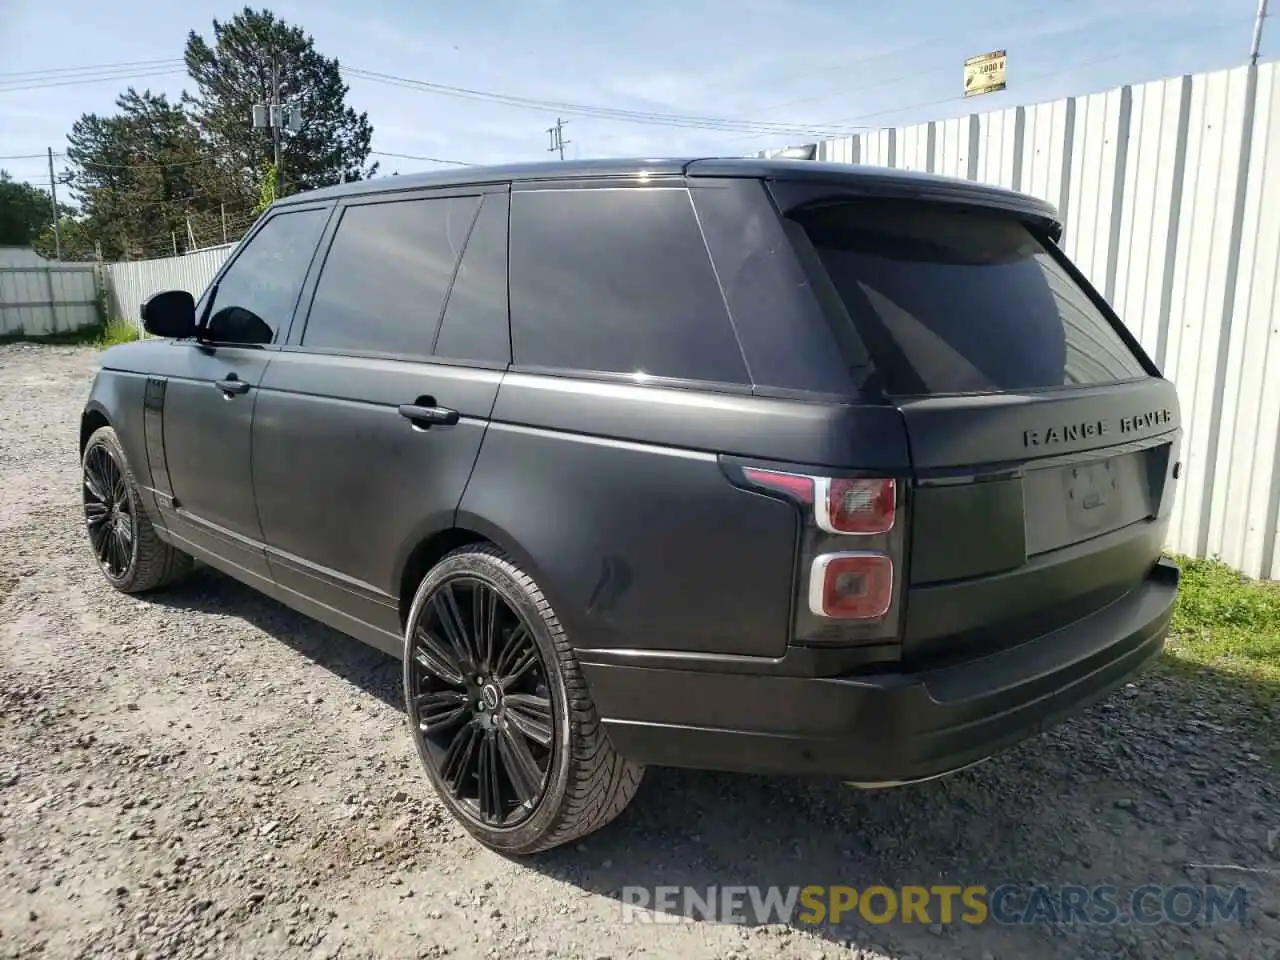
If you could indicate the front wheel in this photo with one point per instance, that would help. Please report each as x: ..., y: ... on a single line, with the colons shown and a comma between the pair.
x: 130, y: 554
x: 500, y: 712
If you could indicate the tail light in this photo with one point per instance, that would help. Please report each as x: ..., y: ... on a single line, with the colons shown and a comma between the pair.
x: 851, y: 553
x: 856, y: 506
x: 840, y: 505
x: 851, y: 586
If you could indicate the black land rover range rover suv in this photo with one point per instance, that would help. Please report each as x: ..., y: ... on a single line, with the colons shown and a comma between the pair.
x: 766, y: 466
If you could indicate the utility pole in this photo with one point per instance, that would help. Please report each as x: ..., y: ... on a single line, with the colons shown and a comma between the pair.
x: 278, y: 117
x: 1257, y: 33
x: 53, y: 196
x: 224, y: 223
x: 276, y: 120
x: 191, y: 237
x: 558, y: 142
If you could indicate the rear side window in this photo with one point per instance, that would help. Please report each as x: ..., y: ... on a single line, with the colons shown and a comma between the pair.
x: 617, y: 281
x: 944, y: 301
x: 386, y: 276
x: 475, y: 320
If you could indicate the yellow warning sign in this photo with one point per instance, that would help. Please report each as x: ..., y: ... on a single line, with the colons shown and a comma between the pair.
x: 984, y: 73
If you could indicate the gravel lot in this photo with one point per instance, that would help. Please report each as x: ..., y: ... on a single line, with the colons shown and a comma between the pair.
x: 206, y: 773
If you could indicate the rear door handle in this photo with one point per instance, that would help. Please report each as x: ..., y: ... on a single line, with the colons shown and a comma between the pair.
x: 424, y: 413
x: 232, y: 386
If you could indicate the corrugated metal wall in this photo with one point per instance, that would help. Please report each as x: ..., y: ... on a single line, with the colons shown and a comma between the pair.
x: 1170, y: 192
x: 48, y: 298
x: 130, y: 283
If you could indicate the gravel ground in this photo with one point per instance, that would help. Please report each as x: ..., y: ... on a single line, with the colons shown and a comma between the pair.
x: 204, y: 773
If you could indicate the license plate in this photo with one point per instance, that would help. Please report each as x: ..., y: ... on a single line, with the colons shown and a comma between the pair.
x: 1066, y: 505
x: 1093, y: 494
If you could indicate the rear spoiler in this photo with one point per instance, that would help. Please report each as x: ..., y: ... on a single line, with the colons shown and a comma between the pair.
x: 813, y: 180
x: 790, y: 194
x: 808, y: 152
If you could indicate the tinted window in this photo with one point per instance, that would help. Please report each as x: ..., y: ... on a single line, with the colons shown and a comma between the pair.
x: 386, y: 275
x: 475, y: 320
x: 256, y: 296
x: 946, y: 301
x: 618, y: 281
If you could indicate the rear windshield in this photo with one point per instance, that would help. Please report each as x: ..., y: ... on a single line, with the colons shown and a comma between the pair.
x: 932, y: 300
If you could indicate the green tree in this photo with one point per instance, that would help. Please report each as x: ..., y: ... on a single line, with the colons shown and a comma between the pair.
x: 24, y: 212
x: 248, y: 53
x: 267, y: 189
x: 73, y: 237
x: 142, y: 173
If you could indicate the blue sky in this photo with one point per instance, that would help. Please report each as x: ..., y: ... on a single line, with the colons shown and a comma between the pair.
x: 829, y: 63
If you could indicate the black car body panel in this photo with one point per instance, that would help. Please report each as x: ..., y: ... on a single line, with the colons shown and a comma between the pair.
x: 629, y: 376
x: 320, y: 422
x: 882, y: 728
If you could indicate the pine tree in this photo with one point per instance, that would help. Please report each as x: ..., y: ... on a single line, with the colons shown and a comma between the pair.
x: 236, y: 72
x: 141, y: 173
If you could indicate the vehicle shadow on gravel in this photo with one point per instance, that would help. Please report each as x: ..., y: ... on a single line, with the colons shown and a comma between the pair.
x: 1176, y: 770
x: 211, y: 592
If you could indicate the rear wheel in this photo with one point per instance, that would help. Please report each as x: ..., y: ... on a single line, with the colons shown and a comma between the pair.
x: 500, y: 713
x: 130, y: 554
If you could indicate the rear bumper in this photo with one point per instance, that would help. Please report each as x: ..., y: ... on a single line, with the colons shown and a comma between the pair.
x: 883, y: 728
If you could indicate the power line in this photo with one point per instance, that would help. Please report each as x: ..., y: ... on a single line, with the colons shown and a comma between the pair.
x: 899, y: 51
x: 1127, y: 52
x: 101, y: 78
x: 588, y: 110
x: 852, y: 123
x: 151, y: 164
x: 411, y: 156
x: 745, y: 128
x: 88, y: 68
x: 148, y: 165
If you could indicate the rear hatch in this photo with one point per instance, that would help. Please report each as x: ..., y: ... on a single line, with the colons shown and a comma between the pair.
x: 1043, y: 442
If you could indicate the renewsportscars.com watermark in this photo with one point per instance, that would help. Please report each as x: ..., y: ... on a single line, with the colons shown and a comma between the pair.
x: 1006, y: 904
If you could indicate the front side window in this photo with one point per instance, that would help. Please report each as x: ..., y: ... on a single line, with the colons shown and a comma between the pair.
x: 255, y: 297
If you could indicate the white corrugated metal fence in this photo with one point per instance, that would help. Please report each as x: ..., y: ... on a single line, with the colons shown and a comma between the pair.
x: 1170, y: 195
x: 37, y: 299
x: 132, y: 282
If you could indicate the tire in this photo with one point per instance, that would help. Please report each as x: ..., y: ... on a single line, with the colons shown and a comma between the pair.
x: 584, y: 783
x: 139, y: 560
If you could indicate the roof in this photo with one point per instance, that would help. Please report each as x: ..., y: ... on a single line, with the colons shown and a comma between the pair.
x: 869, y: 180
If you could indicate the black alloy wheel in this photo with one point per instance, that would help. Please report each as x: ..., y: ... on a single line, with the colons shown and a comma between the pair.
x: 109, y: 513
x: 500, y: 712
x: 480, y: 703
x: 129, y: 551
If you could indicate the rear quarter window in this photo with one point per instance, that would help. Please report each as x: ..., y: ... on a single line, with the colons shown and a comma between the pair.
x: 945, y: 301
x: 617, y: 280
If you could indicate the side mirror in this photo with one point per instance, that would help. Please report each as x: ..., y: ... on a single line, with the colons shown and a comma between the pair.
x: 170, y: 313
x: 238, y: 325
